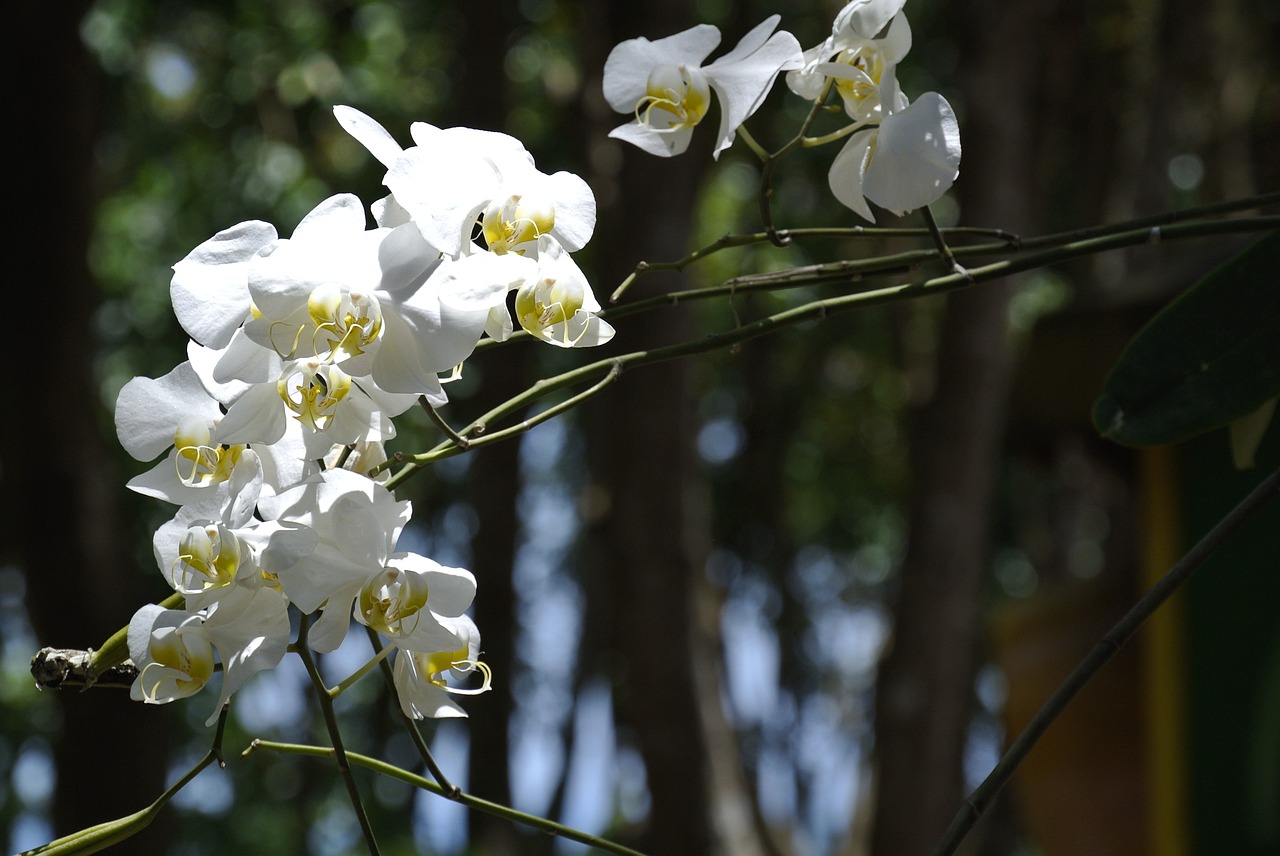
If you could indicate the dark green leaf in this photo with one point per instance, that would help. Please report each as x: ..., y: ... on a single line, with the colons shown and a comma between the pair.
x: 1209, y: 357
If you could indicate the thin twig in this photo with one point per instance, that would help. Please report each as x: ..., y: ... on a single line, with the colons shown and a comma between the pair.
x: 612, y: 368
x: 982, y: 796
x: 436, y: 418
x: 113, y: 832
x: 1009, y: 241
x: 944, y: 251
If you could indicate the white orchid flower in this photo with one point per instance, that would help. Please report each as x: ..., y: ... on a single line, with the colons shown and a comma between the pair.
x: 868, y: 39
x: 453, y: 177
x: 357, y: 523
x: 327, y: 405
x: 666, y: 87
x: 556, y: 303
x: 176, y: 412
x: 906, y: 163
x: 366, y: 300
x: 421, y: 677
x: 209, y: 548
x: 408, y: 600
x: 174, y: 649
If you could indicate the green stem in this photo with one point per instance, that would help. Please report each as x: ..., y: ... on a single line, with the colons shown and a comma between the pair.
x: 1009, y: 242
x: 798, y: 140
x: 834, y: 136
x: 439, y: 422
x: 448, y: 789
x: 759, y: 150
x: 116, y: 649
x: 732, y: 241
x: 767, y: 165
x: 359, y: 673
x: 944, y: 251
x: 611, y: 367
x: 339, y: 754
x: 496, y: 809
x: 341, y: 460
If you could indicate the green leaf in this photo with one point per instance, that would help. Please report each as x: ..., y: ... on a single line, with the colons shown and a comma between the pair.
x: 1208, y: 358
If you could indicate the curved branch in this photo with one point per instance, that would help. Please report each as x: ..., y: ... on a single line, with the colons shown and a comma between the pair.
x: 113, y: 832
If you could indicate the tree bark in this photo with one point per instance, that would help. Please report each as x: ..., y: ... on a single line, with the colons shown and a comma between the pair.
x: 493, y: 479
x: 924, y: 690
x: 640, y: 545
x: 61, y: 495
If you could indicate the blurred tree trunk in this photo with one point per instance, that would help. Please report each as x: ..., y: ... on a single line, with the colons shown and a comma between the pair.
x: 493, y: 480
x: 61, y: 495
x: 924, y: 692
x: 649, y: 541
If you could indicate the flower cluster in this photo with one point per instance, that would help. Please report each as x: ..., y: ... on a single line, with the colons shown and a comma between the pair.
x: 302, y: 352
x: 899, y: 154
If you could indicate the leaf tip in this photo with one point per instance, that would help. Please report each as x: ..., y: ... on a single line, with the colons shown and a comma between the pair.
x: 1108, y: 417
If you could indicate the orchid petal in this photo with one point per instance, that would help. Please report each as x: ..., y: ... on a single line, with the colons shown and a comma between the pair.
x: 848, y: 173
x: 369, y: 134
x: 208, y: 290
x: 917, y: 156
x: 149, y: 410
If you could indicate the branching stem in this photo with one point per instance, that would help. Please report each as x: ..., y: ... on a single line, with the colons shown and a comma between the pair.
x: 608, y: 369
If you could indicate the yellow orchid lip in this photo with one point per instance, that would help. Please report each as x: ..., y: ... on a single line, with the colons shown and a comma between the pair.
x: 312, y: 391
x: 200, y: 462
x: 185, y: 667
x: 676, y: 97
x: 347, y: 321
x: 511, y: 225
x: 432, y: 667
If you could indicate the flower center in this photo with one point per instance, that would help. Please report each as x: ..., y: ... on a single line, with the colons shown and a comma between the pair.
x: 346, y: 321
x: 312, y: 391
x: 548, y: 301
x: 510, y: 226
x: 861, y: 90
x: 208, y: 558
x: 391, y: 598
x: 187, y: 666
x: 676, y: 97
x: 200, y: 463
